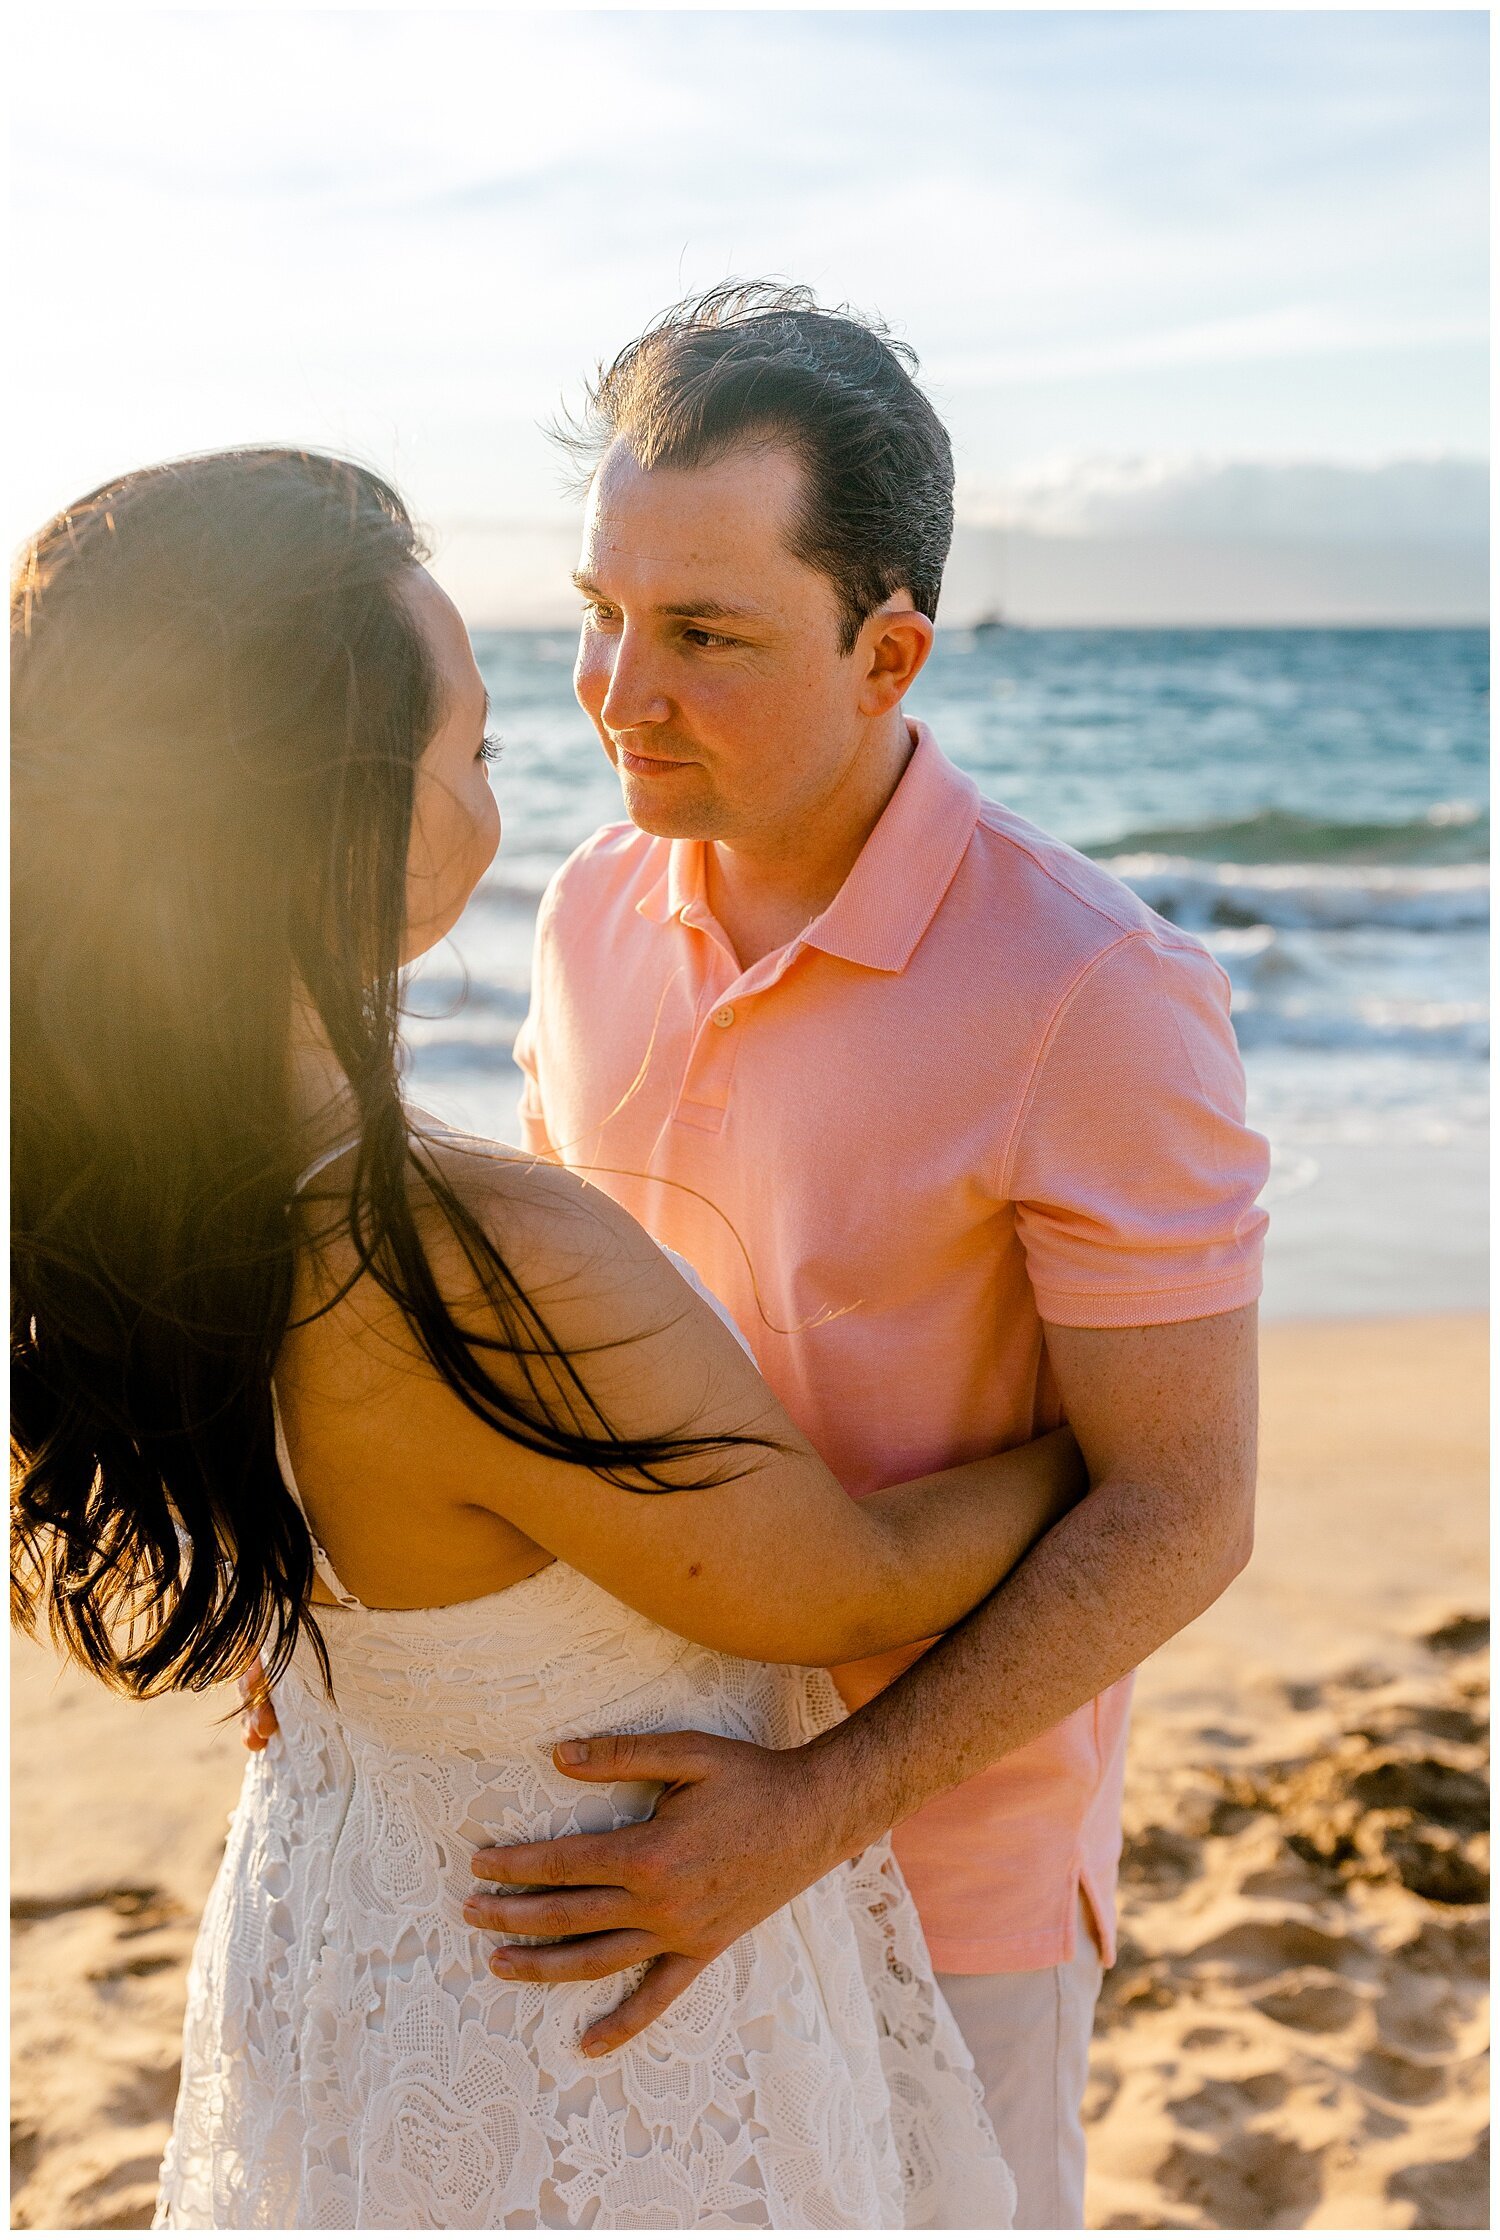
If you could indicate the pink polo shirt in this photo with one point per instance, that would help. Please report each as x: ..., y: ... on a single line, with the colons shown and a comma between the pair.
x: 985, y: 1090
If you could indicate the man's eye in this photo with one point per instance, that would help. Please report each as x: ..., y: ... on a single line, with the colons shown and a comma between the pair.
x: 706, y: 638
x: 601, y: 616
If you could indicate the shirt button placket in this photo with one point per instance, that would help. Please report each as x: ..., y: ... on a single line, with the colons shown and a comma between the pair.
x: 705, y: 1092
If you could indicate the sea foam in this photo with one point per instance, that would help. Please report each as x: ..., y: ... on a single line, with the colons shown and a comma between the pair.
x: 1429, y: 898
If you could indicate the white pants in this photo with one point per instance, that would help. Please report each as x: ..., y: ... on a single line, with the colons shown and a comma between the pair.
x: 1029, y: 2034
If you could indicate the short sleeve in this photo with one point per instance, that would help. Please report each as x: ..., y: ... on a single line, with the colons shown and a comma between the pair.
x: 531, y: 1118
x: 1133, y: 1176
x: 531, y: 1112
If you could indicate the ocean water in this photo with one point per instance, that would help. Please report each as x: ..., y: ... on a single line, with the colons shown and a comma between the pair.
x: 1311, y: 803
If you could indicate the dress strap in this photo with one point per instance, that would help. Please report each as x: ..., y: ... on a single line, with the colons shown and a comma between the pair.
x: 321, y: 1564
x: 324, y: 1159
x: 347, y: 1143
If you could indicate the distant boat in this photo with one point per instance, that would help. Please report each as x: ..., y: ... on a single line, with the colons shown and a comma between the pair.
x: 989, y: 624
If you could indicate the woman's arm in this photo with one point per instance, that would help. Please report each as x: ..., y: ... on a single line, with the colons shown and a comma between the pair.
x: 775, y: 1561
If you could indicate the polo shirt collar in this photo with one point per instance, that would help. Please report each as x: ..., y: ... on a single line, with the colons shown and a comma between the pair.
x: 679, y: 889
x: 906, y: 866
x: 900, y: 876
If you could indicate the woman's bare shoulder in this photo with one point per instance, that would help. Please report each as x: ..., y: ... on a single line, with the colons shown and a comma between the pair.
x: 562, y: 1238
x: 655, y: 1356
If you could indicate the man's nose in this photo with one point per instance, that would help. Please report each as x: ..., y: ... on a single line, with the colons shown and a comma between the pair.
x: 633, y: 694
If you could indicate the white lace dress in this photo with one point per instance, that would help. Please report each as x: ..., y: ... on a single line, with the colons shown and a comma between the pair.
x: 349, y: 2061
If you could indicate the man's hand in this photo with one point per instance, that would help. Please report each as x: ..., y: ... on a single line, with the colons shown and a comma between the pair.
x: 1166, y: 1420
x: 738, y: 1832
x: 257, y: 1712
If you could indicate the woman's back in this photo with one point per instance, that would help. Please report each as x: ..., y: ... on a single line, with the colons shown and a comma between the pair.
x: 349, y: 2060
x: 365, y: 1420
x: 251, y: 781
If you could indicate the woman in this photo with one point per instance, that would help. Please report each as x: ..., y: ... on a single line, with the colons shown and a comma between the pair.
x: 513, y: 1478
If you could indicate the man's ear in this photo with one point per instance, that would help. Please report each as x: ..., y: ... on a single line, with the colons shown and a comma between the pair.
x: 893, y: 645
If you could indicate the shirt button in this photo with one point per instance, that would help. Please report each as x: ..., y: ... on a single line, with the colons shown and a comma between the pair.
x: 724, y: 1016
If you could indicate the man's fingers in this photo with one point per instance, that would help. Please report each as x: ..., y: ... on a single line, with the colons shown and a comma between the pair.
x: 635, y: 1757
x: 662, y: 1984
x: 258, y: 1720
x: 564, y: 1861
x: 583, y: 1961
x: 576, y: 1860
x: 257, y: 1725
x: 551, y: 1913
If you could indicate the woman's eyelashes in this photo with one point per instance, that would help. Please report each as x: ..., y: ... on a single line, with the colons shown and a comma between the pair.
x: 491, y: 747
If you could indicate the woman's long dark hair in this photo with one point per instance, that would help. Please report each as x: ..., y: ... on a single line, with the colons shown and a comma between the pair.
x: 219, y: 698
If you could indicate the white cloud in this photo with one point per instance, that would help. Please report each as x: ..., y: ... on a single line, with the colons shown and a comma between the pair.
x: 1141, y: 232
x: 1293, y: 331
x: 1421, y: 501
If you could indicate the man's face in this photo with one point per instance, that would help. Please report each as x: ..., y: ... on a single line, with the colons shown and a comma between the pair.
x: 710, y: 656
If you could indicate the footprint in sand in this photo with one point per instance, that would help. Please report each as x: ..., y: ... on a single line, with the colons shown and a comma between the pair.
x: 136, y: 1902
x: 1443, y: 1722
x: 1319, y: 2058
x: 103, y: 1967
x: 1245, y: 2182
x: 1310, y: 1999
x: 1253, y: 1949
x: 142, y: 1964
x: 25, y: 2146
x: 1448, y: 2196
x: 1418, y: 2016
x: 1160, y: 1860
x: 1461, y: 1636
x: 148, y: 2095
x: 1227, y: 2101
x: 1392, y: 2076
x: 1206, y: 2037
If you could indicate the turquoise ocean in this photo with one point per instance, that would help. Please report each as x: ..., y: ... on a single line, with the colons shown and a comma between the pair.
x: 1312, y: 804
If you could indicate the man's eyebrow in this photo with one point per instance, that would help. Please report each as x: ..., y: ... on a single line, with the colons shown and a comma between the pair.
x: 709, y: 610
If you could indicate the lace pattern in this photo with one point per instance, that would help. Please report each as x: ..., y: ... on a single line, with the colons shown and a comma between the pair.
x: 349, y: 2062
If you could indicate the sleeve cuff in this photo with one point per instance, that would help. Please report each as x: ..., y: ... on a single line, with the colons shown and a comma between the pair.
x: 1102, y: 1309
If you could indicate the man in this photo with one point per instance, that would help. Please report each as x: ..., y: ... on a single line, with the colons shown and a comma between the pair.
x: 954, y: 1127
x: 948, y: 1120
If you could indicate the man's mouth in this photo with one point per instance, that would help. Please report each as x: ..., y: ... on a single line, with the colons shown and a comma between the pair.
x: 647, y: 765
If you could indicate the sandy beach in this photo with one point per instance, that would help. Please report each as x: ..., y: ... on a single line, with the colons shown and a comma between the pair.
x: 1294, y: 2036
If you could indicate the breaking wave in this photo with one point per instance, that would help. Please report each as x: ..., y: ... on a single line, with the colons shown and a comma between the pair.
x: 1431, y: 898
x: 1449, y: 832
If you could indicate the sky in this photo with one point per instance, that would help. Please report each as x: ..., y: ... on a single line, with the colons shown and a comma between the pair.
x: 1167, y: 273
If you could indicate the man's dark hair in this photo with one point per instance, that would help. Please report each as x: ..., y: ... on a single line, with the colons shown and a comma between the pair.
x: 755, y: 361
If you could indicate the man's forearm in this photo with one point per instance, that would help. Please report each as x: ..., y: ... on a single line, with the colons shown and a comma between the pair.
x: 1165, y: 1417
x: 1118, y: 1576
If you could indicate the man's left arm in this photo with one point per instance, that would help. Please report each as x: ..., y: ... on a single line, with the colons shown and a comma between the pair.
x: 1133, y: 1178
x: 1165, y: 1416
x: 1166, y: 1419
